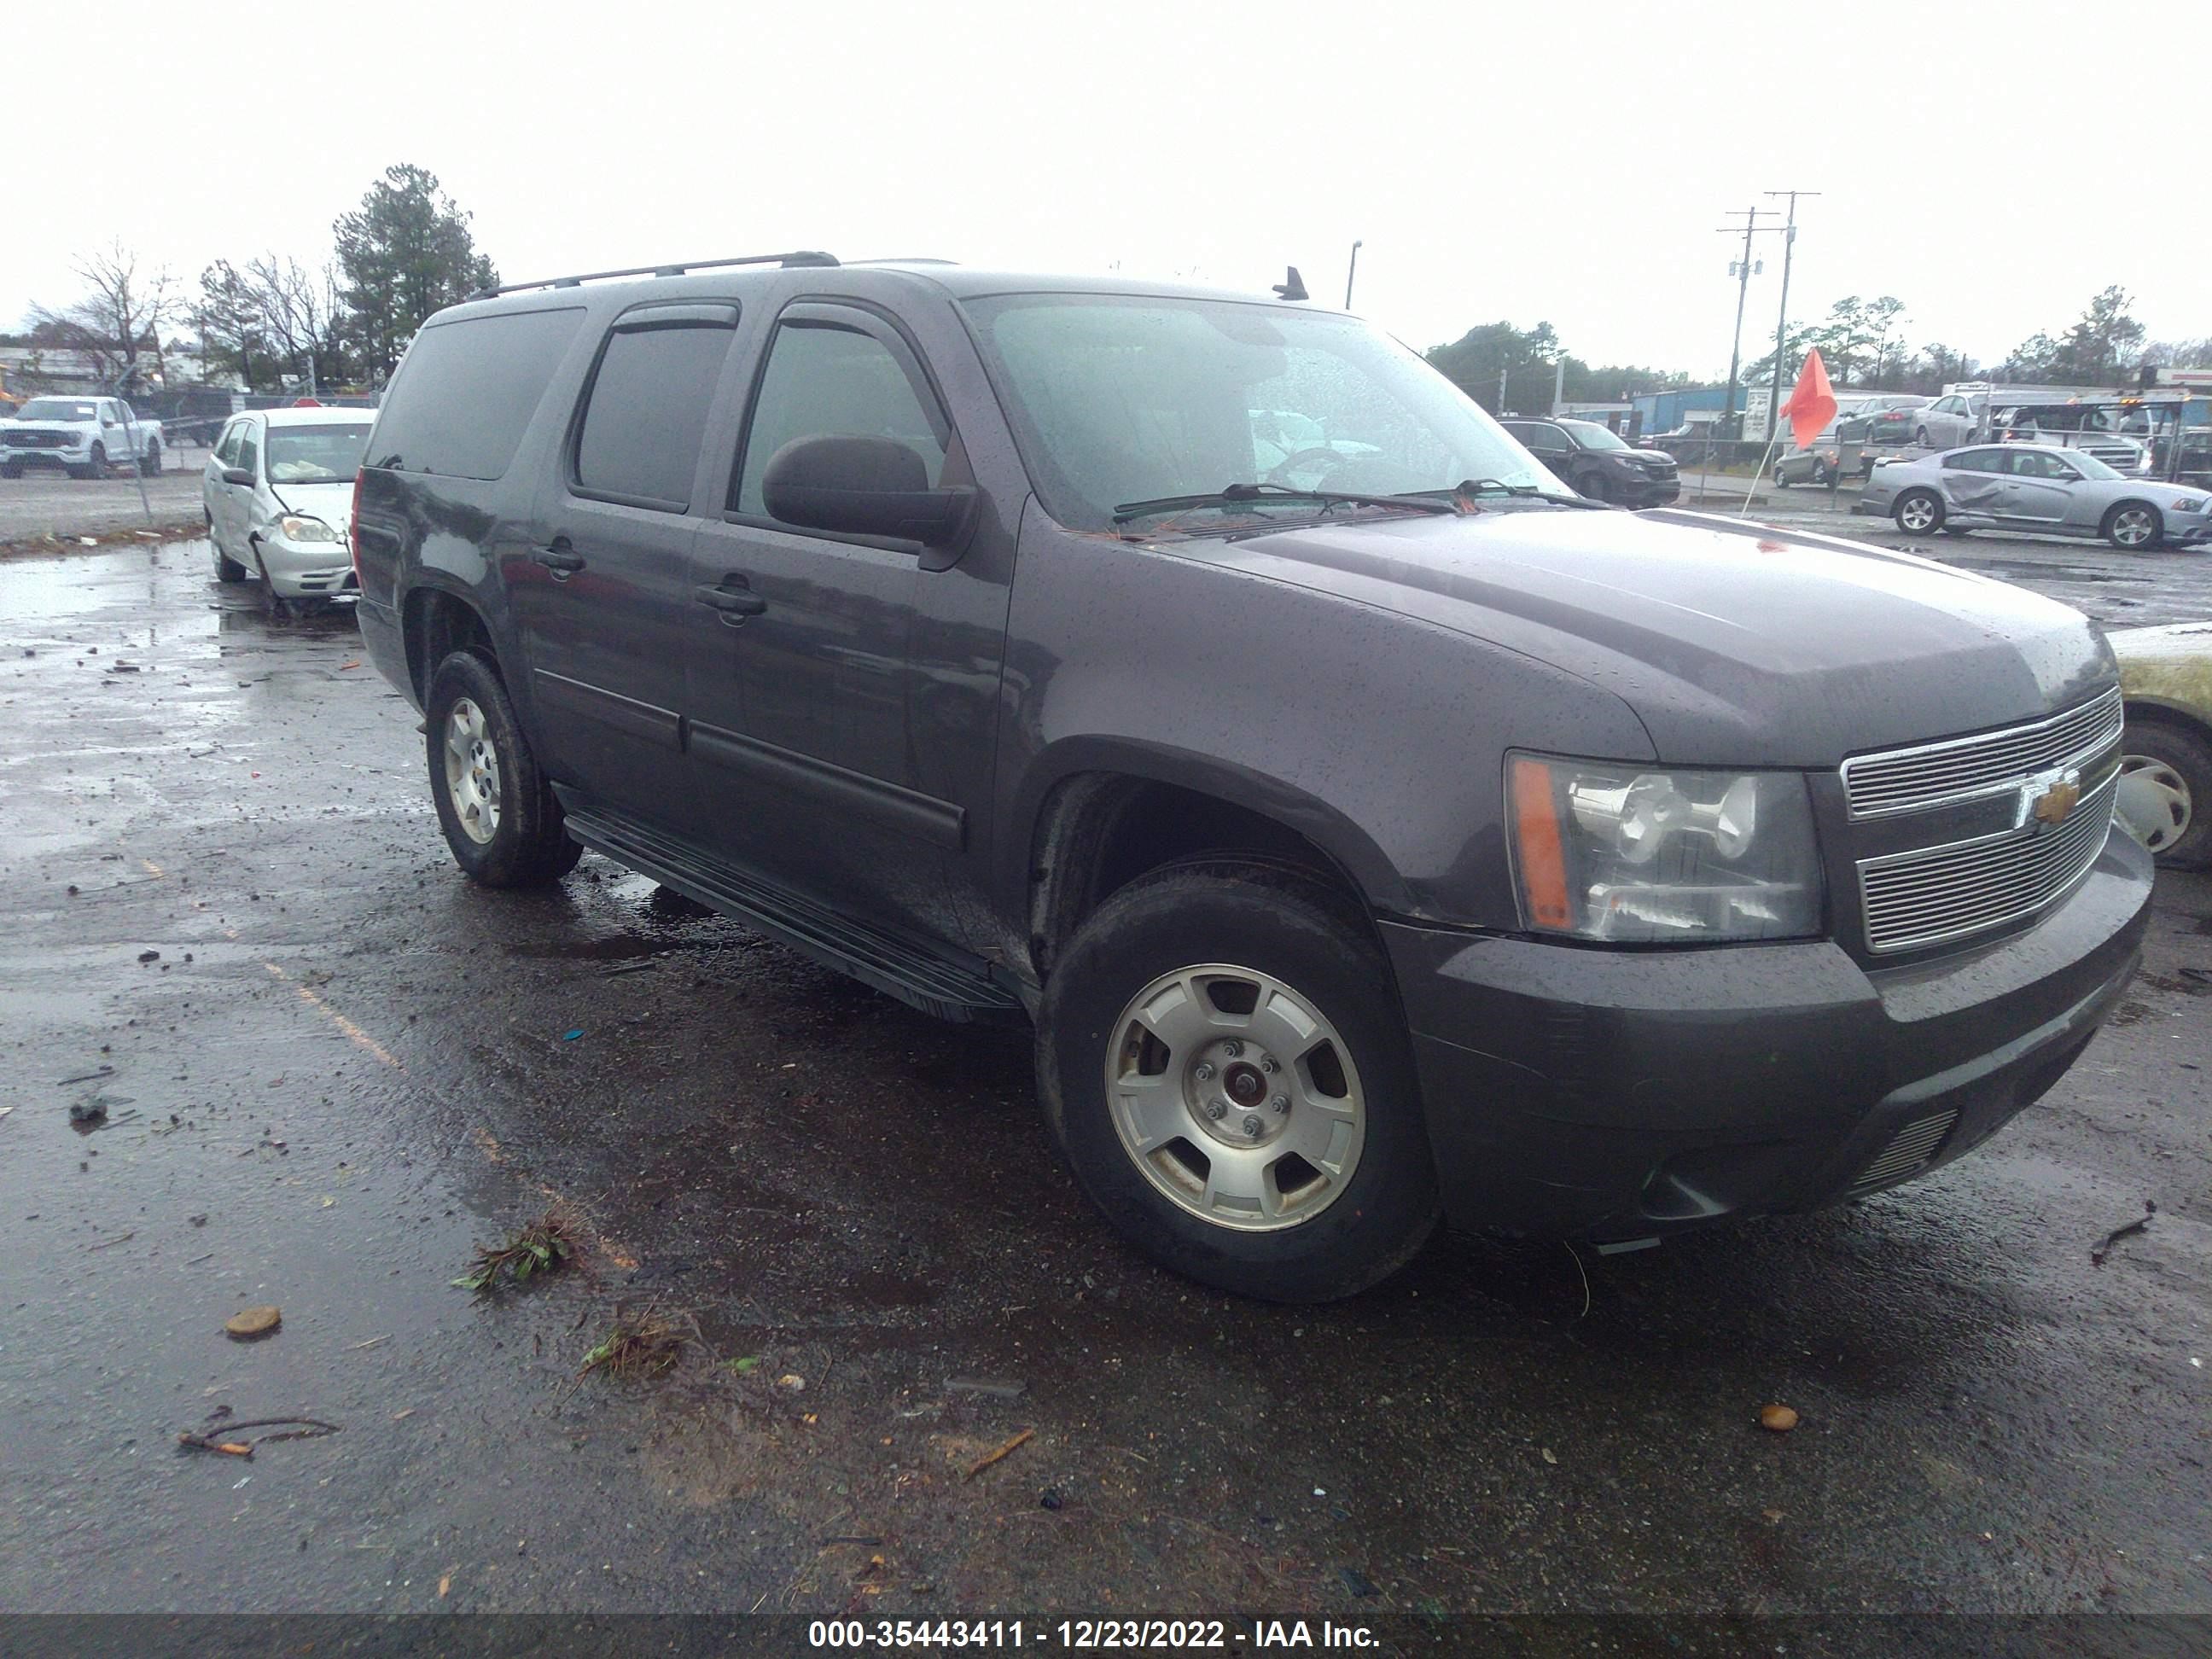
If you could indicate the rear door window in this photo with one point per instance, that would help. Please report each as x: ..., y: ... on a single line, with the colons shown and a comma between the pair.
x: 467, y: 390
x: 1980, y: 460
x: 645, y: 412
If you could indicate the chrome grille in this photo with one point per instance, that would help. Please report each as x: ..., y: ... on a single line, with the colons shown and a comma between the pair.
x: 1990, y: 762
x: 1910, y: 1150
x: 1934, y: 894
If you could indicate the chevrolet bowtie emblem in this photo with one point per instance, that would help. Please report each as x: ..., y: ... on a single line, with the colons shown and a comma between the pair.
x: 2052, y: 805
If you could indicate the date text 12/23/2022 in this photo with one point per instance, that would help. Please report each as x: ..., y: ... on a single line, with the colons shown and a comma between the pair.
x: 1088, y: 1635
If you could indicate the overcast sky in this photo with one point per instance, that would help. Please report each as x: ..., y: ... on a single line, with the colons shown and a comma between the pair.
x: 1992, y: 165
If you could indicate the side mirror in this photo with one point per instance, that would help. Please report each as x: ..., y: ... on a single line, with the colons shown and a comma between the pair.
x: 862, y: 486
x: 238, y: 475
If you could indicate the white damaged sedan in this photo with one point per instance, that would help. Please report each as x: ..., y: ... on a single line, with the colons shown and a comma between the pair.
x: 2038, y: 488
x: 278, y: 493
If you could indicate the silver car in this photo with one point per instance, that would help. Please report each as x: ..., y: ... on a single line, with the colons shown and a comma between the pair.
x: 2035, y: 488
x: 1949, y: 419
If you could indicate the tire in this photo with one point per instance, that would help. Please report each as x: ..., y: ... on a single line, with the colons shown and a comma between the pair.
x: 1920, y: 436
x: 1955, y: 529
x: 2133, y: 528
x: 11, y: 472
x: 226, y: 569
x: 2165, y: 791
x: 1594, y: 488
x: 508, y: 833
x: 1923, y: 507
x: 1308, y: 1230
x: 98, y: 468
x: 150, y: 467
x: 1781, y: 478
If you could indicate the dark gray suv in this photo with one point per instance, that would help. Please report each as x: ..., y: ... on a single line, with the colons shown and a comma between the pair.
x: 1372, y: 831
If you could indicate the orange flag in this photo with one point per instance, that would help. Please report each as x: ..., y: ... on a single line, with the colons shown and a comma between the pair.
x: 1813, y: 404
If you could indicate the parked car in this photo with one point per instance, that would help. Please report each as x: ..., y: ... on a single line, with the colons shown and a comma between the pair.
x: 2032, y: 487
x: 1423, y: 841
x: 85, y: 437
x: 276, y: 492
x: 1893, y: 420
x: 1597, y: 461
x: 1950, y: 421
x: 1823, y: 460
x: 2165, y: 797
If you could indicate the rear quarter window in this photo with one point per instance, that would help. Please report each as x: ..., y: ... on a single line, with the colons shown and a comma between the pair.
x: 467, y: 389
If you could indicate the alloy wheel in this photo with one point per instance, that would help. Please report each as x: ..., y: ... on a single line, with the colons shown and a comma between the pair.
x: 472, y: 772
x: 1235, y: 1098
x: 2133, y: 527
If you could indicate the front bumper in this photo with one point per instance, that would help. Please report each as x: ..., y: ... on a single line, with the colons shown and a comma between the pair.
x: 1615, y: 1095
x: 306, y: 570
x: 1657, y: 491
x: 61, y: 460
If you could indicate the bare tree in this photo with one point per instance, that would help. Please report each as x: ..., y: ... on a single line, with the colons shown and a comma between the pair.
x: 121, y: 316
x: 302, y: 313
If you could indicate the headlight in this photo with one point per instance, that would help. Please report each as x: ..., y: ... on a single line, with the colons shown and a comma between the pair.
x: 1651, y: 855
x: 297, y: 529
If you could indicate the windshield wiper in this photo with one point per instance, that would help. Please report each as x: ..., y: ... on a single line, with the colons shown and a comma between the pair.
x: 1237, y: 493
x: 1469, y: 488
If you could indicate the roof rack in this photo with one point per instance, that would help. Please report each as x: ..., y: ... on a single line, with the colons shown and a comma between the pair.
x: 802, y: 259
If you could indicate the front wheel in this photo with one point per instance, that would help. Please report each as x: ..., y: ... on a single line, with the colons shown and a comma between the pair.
x: 1918, y: 511
x: 95, y: 466
x: 1781, y: 478
x: 1222, y: 1061
x: 2134, y: 527
x: 2165, y: 796
x: 497, y: 810
x: 1595, y: 488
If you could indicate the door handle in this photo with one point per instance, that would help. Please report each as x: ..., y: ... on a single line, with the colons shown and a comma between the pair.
x: 732, y: 599
x: 559, y: 558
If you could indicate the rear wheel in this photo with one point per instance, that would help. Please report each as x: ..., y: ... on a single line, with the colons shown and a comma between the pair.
x: 1918, y: 511
x: 150, y: 467
x: 496, y: 808
x: 2165, y: 797
x: 1222, y: 1061
x: 2134, y: 527
x: 1920, y: 436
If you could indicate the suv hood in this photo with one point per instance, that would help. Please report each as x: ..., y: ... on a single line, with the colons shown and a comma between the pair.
x: 1734, y: 644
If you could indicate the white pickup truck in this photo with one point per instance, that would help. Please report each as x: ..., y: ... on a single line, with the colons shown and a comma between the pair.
x: 84, y: 437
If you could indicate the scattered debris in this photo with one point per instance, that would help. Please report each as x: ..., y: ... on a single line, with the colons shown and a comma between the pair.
x: 1357, y: 1583
x: 995, y: 1388
x: 744, y: 1367
x: 2139, y: 1224
x: 85, y: 1077
x: 622, y: 968
x: 371, y: 1343
x: 1549, y: 1456
x: 791, y: 1382
x: 866, y: 1540
x: 539, y: 1248
x: 571, y: 1036
x: 249, y: 1324
x: 4, y: 1110
x: 296, y: 1428
x: 149, y: 956
x: 998, y: 1452
x: 2201, y: 975
x: 640, y: 1345
x: 88, y: 1111
x: 1049, y: 1498
x: 1780, y: 1418
x: 110, y: 1243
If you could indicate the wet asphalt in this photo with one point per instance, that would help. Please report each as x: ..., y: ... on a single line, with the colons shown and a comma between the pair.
x: 331, y: 1068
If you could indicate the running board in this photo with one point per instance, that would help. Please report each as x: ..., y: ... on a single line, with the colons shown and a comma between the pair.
x: 951, y: 990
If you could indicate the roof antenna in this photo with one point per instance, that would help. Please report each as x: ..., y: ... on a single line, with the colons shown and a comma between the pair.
x: 1293, y: 290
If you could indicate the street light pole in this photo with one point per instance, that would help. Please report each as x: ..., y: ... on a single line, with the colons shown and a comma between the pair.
x: 1351, y: 271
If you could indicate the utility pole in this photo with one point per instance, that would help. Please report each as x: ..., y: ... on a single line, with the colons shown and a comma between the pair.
x: 1782, y: 322
x: 1748, y: 229
x: 1351, y: 271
